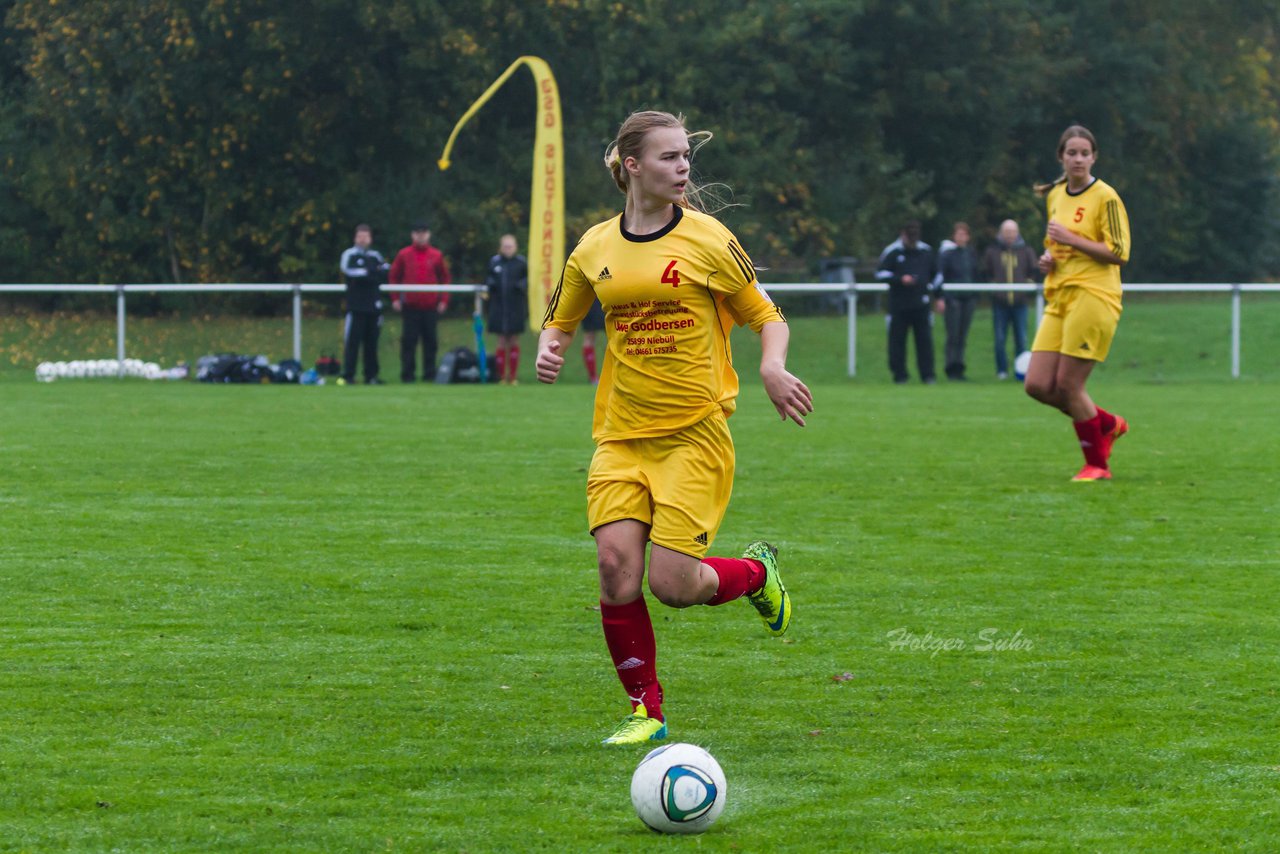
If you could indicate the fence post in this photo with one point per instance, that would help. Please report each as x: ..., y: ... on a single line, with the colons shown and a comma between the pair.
x: 1235, y: 332
x: 297, y: 323
x: 119, y: 330
x: 1039, y: 309
x: 851, y: 305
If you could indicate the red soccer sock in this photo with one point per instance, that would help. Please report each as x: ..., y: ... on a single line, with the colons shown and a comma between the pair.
x: 589, y: 359
x: 1090, y: 433
x: 738, y: 577
x: 1107, y: 422
x: 629, y: 635
x: 513, y: 361
x: 501, y: 357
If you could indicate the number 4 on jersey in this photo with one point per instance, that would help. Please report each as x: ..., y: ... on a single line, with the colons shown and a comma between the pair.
x: 671, y: 276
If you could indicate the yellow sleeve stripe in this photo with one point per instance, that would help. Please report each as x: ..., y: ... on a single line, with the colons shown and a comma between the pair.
x: 744, y: 263
x: 1114, y: 221
x: 554, y: 301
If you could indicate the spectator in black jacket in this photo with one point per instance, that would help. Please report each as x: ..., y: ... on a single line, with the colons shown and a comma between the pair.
x: 365, y: 270
x: 508, y: 294
x: 957, y: 263
x: 908, y: 266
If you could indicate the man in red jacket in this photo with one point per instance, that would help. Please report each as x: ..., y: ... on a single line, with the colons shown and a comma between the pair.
x: 420, y: 263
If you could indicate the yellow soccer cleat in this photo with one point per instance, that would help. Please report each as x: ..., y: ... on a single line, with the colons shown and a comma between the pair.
x: 771, y: 600
x: 637, y: 728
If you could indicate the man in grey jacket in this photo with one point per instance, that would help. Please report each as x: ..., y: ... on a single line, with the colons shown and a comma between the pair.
x: 1009, y: 261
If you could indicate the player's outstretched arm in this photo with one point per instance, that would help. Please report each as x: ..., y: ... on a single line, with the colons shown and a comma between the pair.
x: 790, y: 397
x: 551, y: 346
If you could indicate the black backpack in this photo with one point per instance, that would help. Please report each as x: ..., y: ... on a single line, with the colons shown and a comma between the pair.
x: 461, y: 365
x: 217, y: 367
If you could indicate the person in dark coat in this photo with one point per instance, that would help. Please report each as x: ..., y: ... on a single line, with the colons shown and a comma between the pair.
x: 908, y: 267
x: 508, y: 295
x: 957, y: 264
x: 364, y: 270
x: 1010, y: 261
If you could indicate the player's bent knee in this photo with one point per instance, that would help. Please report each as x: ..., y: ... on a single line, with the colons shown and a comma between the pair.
x: 616, y: 562
x: 620, y: 575
x: 1041, y: 391
x: 619, y: 590
x: 674, y: 595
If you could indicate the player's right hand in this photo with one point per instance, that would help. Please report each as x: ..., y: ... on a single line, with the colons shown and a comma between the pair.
x: 1046, y: 262
x: 549, y: 362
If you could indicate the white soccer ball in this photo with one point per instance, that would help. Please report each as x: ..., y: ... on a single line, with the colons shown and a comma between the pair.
x: 46, y: 372
x: 1022, y: 364
x: 678, y: 788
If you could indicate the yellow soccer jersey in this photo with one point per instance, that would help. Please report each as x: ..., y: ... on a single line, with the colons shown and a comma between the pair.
x: 670, y: 299
x: 1095, y: 213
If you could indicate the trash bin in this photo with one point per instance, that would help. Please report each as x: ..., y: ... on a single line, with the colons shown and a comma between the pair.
x: 836, y: 271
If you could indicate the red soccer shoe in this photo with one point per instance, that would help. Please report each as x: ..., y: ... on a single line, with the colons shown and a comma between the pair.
x: 1109, y: 439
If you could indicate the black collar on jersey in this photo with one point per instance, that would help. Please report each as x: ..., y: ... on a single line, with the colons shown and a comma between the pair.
x: 1093, y: 179
x: 645, y: 238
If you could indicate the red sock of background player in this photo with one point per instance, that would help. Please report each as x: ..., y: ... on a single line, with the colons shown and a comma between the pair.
x: 1108, y: 422
x: 1090, y: 433
x: 513, y: 361
x: 738, y: 577
x: 501, y: 357
x: 629, y: 635
x: 589, y: 358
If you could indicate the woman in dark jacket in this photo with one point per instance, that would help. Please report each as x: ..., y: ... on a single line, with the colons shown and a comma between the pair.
x: 508, y: 283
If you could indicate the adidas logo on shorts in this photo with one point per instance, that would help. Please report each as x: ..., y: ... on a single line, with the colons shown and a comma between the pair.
x: 701, y: 539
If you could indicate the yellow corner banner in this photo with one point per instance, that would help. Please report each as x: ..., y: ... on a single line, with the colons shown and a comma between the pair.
x: 545, y: 246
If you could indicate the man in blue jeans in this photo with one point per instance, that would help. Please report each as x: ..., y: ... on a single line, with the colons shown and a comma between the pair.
x: 1009, y: 261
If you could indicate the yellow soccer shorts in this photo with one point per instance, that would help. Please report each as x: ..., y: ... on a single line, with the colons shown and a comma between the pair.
x: 1077, y: 322
x: 678, y: 485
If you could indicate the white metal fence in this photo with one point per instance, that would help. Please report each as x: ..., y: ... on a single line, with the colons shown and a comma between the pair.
x: 850, y: 291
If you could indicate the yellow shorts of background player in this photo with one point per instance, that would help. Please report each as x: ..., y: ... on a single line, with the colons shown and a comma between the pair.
x: 678, y: 485
x: 1077, y: 322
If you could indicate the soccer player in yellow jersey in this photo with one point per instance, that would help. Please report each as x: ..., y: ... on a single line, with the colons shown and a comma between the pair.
x: 1086, y: 244
x: 672, y: 281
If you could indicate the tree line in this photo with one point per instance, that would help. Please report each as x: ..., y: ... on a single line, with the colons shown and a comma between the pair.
x: 240, y: 140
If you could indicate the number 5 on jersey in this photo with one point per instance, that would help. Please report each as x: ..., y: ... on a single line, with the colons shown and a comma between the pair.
x: 671, y: 276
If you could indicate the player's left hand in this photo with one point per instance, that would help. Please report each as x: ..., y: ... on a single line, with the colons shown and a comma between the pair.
x: 1059, y: 233
x: 790, y: 397
x: 1046, y: 262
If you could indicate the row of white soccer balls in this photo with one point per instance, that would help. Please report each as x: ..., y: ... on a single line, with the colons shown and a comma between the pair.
x: 47, y: 372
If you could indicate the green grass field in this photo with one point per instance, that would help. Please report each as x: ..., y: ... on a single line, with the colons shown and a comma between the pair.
x: 356, y: 619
